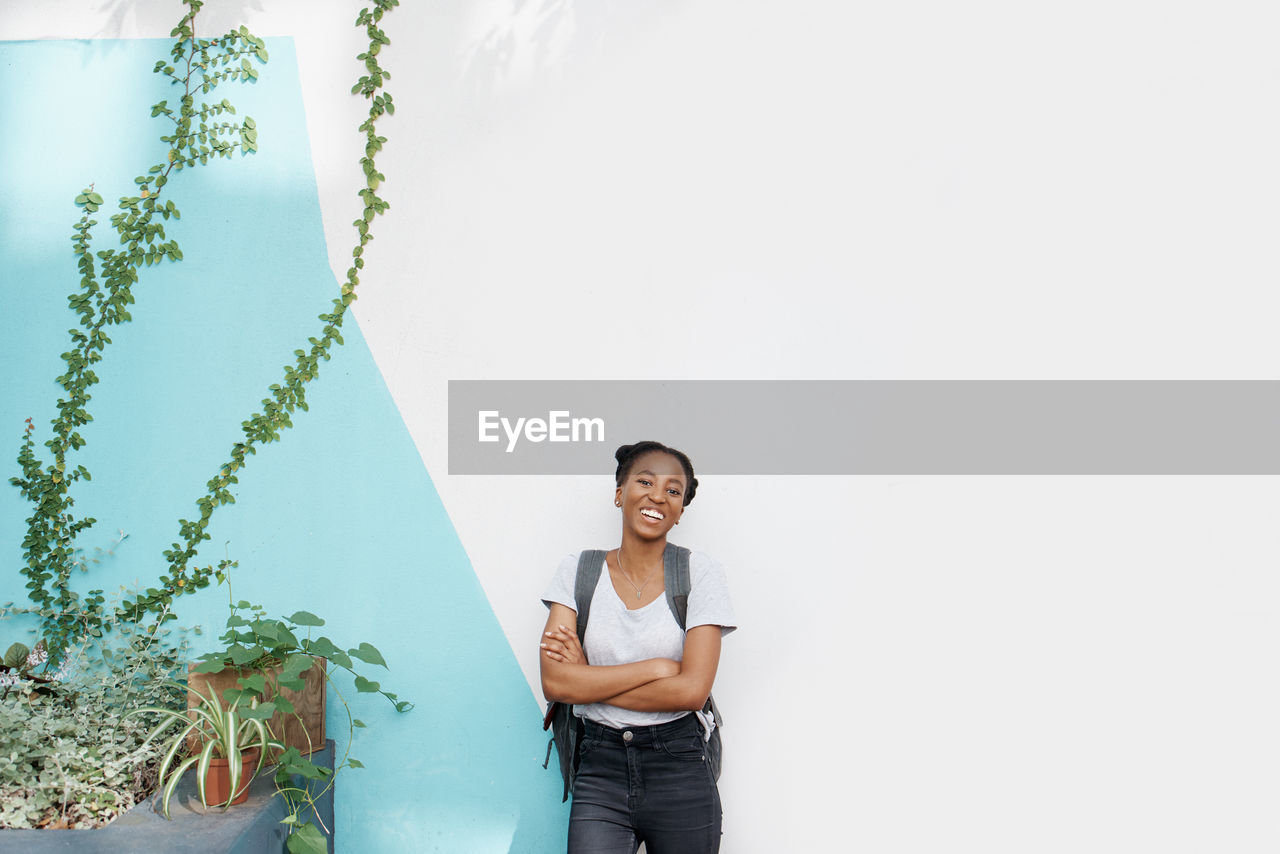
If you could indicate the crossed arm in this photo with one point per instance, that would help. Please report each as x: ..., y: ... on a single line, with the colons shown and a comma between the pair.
x: 651, y: 685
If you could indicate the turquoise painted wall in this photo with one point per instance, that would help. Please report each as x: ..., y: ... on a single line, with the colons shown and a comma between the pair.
x: 340, y: 518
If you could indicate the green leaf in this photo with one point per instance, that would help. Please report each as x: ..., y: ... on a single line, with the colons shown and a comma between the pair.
x: 357, y: 723
x: 291, y: 673
x: 307, y: 840
x: 255, y: 682
x: 355, y: 763
x: 364, y: 686
x: 211, y: 666
x: 262, y: 712
x: 267, y: 629
x: 368, y: 653
x: 16, y: 656
x: 322, y: 647
x: 306, y: 618
x: 297, y: 664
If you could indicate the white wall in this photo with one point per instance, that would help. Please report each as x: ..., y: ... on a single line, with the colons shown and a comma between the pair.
x: 851, y: 190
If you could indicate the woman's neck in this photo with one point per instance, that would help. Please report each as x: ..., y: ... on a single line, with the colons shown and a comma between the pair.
x: 638, y: 552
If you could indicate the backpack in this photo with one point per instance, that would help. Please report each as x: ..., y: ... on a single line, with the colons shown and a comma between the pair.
x: 565, y: 726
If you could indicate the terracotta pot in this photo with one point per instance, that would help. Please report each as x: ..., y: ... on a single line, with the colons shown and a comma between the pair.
x: 217, y: 781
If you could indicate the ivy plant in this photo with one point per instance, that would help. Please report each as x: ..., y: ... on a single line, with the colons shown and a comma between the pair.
x: 202, y: 129
x: 288, y: 395
x: 198, y: 130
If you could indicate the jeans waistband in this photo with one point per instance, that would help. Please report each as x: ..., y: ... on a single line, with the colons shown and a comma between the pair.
x: 645, y: 734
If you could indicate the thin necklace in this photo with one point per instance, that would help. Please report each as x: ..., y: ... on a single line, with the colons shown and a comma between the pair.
x: 641, y: 588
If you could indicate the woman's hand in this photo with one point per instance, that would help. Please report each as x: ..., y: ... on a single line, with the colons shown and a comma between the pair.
x: 566, y: 676
x: 561, y: 644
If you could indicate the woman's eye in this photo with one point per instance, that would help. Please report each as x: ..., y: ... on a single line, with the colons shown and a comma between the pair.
x: 643, y: 482
x: 674, y: 491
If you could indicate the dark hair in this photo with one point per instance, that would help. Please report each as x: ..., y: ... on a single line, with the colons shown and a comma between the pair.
x: 628, y: 454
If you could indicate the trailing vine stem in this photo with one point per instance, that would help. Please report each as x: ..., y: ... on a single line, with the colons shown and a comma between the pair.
x: 49, y: 545
x: 265, y: 425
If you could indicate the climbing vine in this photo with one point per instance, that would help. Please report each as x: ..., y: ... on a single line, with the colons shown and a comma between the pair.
x: 202, y: 130
x: 107, y: 278
x: 288, y: 395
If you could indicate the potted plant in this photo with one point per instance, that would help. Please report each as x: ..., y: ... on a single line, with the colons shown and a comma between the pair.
x: 278, y: 663
x: 232, y: 738
x: 276, y: 668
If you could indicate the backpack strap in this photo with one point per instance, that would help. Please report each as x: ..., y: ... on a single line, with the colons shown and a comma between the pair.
x: 590, y: 565
x: 565, y: 727
x: 675, y: 574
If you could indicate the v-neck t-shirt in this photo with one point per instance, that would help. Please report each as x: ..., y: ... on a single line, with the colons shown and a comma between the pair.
x: 619, y: 635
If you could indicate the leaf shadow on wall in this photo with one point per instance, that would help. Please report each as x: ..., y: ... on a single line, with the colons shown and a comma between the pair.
x: 214, y: 19
x: 529, y: 39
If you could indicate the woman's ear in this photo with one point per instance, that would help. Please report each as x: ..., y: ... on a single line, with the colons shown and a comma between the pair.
x: 617, y: 497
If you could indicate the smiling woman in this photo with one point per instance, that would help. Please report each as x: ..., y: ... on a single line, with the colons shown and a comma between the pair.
x: 640, y: 678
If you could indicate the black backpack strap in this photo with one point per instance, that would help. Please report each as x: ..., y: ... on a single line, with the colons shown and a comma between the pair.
x: 566, y: 729
x: 675, y: 574
x: 590, y: 565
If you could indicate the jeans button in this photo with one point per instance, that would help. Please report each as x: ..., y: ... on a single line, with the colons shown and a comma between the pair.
x: 627, y: 736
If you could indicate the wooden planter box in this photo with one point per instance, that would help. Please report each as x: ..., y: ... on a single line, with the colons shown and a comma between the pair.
x: 303, y: 730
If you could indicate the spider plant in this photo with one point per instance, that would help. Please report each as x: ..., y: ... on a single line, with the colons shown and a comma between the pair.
x: 229, y: 730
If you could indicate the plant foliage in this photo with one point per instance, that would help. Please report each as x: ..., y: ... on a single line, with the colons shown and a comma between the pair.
x: 199, y: 131
x: 225, y: 731
x: 73, y: 751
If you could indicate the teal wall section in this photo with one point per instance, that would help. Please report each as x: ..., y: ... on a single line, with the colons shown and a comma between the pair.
x: 340, y: 518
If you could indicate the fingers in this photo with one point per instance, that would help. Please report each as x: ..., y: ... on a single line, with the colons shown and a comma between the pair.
x: 555, y: 644
x: 563, y: 637
x: 561, y: 644
x: 557, y: 652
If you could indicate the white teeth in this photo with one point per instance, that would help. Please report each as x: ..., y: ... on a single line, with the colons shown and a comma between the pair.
x: 652, y: 514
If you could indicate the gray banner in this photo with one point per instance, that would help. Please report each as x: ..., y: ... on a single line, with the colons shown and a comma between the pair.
x: 871, y: 427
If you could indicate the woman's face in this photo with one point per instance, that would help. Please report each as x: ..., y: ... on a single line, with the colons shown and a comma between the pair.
x: 652, y: 495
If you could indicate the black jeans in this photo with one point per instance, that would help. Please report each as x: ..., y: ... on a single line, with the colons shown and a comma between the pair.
x: 649, y: 784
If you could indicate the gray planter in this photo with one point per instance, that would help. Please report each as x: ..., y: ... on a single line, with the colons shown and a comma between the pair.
x: 250, y: 828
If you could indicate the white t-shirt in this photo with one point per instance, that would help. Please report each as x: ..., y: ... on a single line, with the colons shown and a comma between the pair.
x: 617, y: 635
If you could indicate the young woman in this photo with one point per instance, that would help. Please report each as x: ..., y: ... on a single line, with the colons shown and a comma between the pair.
x: 641, y: 682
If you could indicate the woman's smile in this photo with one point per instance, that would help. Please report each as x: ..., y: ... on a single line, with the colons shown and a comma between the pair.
x: 652, y: 497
